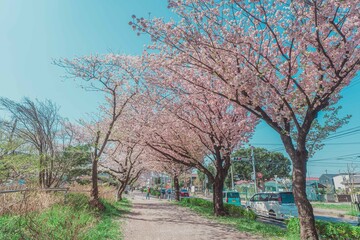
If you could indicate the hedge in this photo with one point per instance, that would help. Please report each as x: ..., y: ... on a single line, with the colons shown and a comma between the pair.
x: 327, y: 230
x: 231, y: 210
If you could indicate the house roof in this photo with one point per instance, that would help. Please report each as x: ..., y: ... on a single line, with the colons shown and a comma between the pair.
x: 312, y: 179
x: 330, y: 176
x: 319, y: 185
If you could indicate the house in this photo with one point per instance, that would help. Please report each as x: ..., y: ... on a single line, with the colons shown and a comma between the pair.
x: 352, y: 182
x: 311, y: 188
x: 339, y: 181
x: 328, y: 181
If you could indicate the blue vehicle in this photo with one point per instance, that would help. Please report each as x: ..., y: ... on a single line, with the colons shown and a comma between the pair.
x: 232, y: 197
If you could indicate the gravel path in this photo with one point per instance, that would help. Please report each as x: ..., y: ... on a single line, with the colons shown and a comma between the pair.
x: 160, y: 220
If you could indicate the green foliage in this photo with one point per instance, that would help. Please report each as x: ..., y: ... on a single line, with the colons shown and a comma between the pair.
x: 74, y: 220
x: 241, y: 219
x: 236, y: 211
x: 268, y: 163
x: 322, y: 127
x: 155, y: 192
x: 231, y: 210
x: 345, y: 207
x: 327, y: 230
x: 198, y: 202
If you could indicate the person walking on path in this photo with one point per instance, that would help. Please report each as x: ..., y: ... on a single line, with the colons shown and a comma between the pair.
x: 148, y: 193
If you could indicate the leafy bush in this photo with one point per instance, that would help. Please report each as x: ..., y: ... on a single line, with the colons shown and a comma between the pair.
x: 240, y: 218
x: 236, y: 211
x: 327, y: 230
x: 198, y: 202
x: 231, y: 210
x: 155, y: 192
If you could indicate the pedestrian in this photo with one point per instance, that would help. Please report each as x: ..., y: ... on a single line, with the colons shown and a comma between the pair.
x: 169, y: 194
x: 148, y: 193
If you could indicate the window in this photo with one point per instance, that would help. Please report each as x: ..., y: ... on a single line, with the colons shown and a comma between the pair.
x: 274, y: 197
x: 287, y: 197
x: 255, y: 198
x: 263, y: 197
x: 233, y: 195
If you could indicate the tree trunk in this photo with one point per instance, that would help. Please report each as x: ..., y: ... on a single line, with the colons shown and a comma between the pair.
x: 94, y: 197
x: 120, y: 191
x: 306, y: 214
x: 41, y: 171
x: 177, y: 188
x: 218, y: 186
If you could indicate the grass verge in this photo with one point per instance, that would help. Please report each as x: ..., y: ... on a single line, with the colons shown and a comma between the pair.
x: 241, y: 224
x: 342, y: 207
x: 244, y: 221
x: 349, y: 210
x: 74, y: 220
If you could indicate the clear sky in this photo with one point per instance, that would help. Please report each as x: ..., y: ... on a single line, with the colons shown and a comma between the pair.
x: 32, y: 33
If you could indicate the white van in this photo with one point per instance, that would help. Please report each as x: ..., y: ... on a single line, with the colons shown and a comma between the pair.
x: 279, y: 205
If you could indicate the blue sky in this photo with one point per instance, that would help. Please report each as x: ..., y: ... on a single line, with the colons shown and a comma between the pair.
x: 32, y: 33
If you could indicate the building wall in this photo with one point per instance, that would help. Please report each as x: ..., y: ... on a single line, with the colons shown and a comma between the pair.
x: 338, y: 181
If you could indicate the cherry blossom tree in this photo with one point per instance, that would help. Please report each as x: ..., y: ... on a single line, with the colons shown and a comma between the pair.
x: 117, y: 78
x: 125, y: 162
x: 194, y: 128
x: 284, y: 61
x: 164, y: 163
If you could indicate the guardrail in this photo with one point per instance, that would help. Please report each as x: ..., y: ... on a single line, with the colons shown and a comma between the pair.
x: 65, y: 190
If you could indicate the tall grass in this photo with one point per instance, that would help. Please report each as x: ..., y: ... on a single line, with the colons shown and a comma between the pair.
x: 73, y: 220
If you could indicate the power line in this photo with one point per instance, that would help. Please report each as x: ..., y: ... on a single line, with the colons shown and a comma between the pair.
x: 342, y: 157
x: 280, y: 144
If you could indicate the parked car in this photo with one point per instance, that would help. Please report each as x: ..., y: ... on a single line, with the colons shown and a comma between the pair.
x: 184, y: 193
x: 232, y: 197
x: 278, y: 205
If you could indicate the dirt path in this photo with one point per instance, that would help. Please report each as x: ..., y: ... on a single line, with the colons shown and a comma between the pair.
x: 159, y: 220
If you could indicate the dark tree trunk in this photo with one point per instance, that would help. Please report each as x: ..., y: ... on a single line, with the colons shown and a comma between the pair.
x: 218, y: 186
x: 41, y: 171
x: 177, y: 188
x: 222, y: 166
x: 94, y: 197
x: 306, y: 214
x: 299, y: 159
x: 119, y: 192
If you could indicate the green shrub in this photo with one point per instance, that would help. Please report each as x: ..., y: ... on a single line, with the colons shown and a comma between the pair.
x: 231, y: 210
x: 240, y: 218
x: 155, y: 192
x: 236, y: 211
x: 327, y: 230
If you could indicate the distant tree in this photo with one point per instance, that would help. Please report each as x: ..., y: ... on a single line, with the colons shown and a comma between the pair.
x: 124, y: 161
x: 267, y: 162
x: 36, y: 123
x: 76, y: 161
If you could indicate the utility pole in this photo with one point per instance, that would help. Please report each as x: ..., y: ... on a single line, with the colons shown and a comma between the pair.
x: 191, y: 183
x: 232, y: 177
x: 253, y: 163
